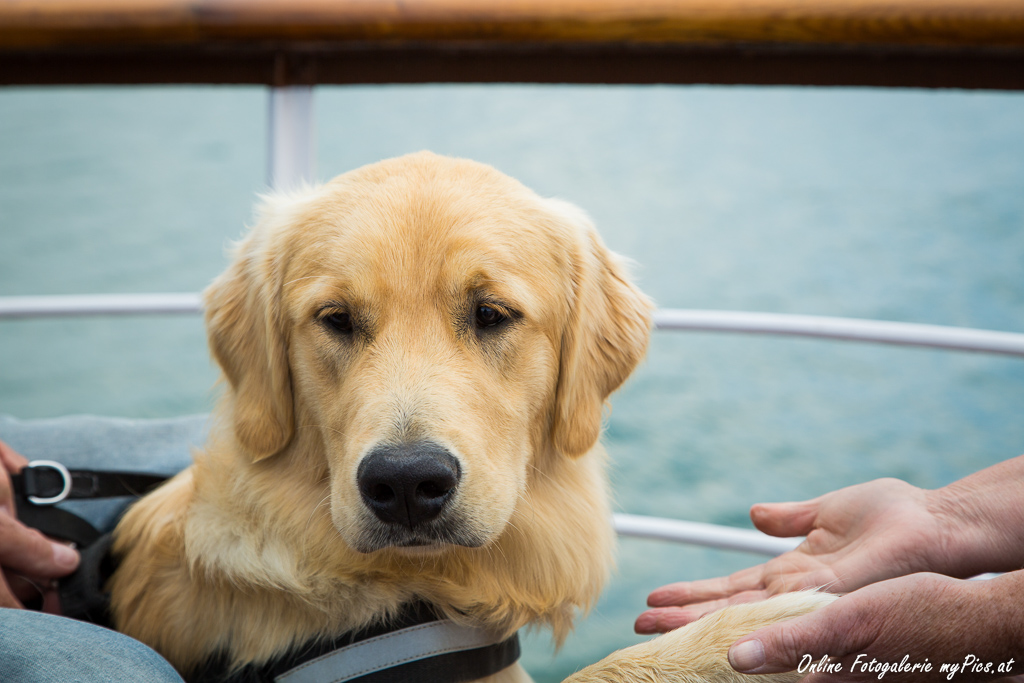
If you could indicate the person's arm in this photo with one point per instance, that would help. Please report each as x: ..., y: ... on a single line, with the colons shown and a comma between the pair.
x: 918, y: 624
x: 28, y: 560
x: 867, y: 533
x: 983, y: 517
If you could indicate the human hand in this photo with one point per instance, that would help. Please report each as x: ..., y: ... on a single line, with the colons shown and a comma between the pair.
x: 921, y: 619
x: 855, y: 536
x: 28, y: 560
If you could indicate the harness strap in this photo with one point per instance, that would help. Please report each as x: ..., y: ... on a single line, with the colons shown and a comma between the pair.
x: 56, y: 523
x: 38, y: 488
x: 45, y: 482
x: 415, y: 646
x: 82, y: 594
x: 481, y: 653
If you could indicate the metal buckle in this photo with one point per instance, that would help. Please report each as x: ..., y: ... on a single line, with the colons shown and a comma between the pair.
x: 53, y: 500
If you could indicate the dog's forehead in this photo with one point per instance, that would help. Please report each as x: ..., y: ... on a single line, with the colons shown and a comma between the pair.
x: 421, y: 234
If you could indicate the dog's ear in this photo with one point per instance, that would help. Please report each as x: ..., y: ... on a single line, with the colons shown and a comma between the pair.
x: 247, y: 338
x: 606, y: 335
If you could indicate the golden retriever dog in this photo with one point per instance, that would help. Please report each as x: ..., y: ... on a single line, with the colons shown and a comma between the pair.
x: 416, y: 357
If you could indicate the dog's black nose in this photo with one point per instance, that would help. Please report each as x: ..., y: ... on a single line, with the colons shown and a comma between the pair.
x: 408, y: 484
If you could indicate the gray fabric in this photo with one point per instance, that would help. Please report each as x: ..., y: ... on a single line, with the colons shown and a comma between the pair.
x: 88, y: 442
x: 388, y: 650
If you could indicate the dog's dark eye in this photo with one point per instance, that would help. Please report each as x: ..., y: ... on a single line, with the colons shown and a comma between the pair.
x: 487, y: 316
x: 338, y: 321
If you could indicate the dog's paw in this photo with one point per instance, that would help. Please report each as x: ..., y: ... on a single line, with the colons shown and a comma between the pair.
x: 698, y: 652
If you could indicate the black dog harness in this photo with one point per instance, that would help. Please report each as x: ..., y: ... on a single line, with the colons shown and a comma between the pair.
x: 38, y: 488
x: 417, y: 646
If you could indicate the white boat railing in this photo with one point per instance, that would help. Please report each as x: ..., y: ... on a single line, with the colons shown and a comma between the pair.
x: 97, y: 304
x: 849, y: 329
x: 699, y: 533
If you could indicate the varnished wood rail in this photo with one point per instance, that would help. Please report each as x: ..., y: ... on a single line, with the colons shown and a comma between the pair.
x: 926, y: 43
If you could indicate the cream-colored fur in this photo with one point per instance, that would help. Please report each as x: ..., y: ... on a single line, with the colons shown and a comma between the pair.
x: 698, y: 653
x: 265, y: 541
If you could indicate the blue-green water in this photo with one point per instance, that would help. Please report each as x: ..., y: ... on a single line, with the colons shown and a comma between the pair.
x: 897, y: 205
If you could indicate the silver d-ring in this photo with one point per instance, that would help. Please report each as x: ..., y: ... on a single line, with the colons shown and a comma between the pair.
x: 36, y: 500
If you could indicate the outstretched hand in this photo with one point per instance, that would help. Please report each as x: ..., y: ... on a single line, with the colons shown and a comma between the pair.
x: 855, y: 536
x: 907, y: 628
x: 28, y: 560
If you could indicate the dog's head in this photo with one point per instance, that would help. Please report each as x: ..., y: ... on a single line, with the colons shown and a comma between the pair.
x: 436, y: 330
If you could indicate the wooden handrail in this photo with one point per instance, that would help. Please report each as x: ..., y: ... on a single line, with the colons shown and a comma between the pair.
x: 964, y: 23
x: 612, y: 40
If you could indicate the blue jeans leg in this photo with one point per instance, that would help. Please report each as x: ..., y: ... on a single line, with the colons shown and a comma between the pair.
x: 42, y: 648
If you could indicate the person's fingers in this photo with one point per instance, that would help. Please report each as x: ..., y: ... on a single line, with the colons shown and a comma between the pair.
x: 688, y: 592
x: 10, y: 459
x: 781, y: 646
x: 28, y: 552
x: 28, y: 559
x: 770, y: 650
x: 26, y: 588
x: 823, y: 578
x: 785, y: 519
x: 7, y: 598
x: 51, y: 602
x: 6, y: 495
x: 665, y: 619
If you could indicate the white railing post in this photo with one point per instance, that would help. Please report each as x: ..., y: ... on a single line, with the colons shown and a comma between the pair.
x: 291, y: 139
